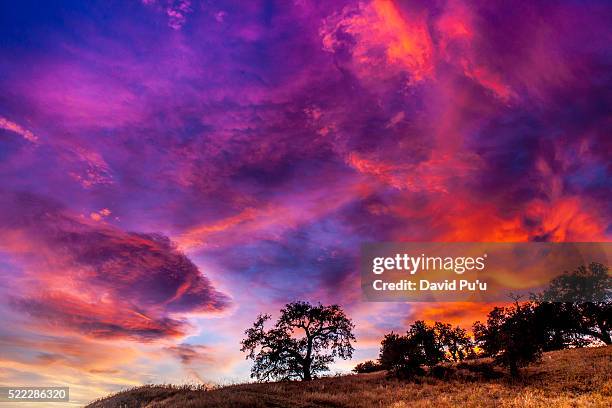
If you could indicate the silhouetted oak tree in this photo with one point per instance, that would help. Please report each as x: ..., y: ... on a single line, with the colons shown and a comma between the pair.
x: 302, y: 343
x: 580, y: 303
x: 513, y: 336
x: 401, y: 356
x: 404, y: 355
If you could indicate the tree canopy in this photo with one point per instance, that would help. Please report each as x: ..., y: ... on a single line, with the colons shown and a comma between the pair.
x: 580, y: 302
x: 423, y: 345
x: 513, y: 336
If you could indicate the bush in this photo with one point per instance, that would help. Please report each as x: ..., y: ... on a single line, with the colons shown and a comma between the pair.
x: 441, y: 372
x: 487, y: 370
x: 367, y: 367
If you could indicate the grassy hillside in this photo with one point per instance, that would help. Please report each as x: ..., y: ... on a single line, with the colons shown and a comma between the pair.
x: 568, y: 378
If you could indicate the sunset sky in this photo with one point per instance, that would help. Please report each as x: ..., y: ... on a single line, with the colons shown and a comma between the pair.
x: 171, y: 168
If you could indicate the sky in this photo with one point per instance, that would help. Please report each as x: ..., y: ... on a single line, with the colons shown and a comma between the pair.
x: 169, y: 169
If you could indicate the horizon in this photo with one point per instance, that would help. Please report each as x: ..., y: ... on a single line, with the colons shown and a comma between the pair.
x: 170, y: 169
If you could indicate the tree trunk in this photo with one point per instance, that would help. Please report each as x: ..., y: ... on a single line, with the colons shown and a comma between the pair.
x: 514, y: 372
x: 307, y: 376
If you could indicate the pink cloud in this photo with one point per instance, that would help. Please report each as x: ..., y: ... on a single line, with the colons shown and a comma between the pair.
x: 98, y: 280
x: 14, y: 127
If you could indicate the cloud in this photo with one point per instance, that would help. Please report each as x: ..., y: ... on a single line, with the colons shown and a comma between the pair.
x: 100, y: 215
x: 99, y: 280
x: 177, y: 13
x: 380, y: 40
x: 175, y: 10
x: 188, y: 353
x: 90, y: 168
x: 14, y: 127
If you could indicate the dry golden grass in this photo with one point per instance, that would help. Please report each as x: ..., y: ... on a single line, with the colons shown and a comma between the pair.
x: 568, y: 378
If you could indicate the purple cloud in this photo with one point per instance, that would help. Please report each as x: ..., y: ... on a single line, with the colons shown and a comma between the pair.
x: 97, y: 279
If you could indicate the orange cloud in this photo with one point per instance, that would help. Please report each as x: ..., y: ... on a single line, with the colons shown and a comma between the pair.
x: 567, y: 219
x: 408, y: 41
x: 384, y: 35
